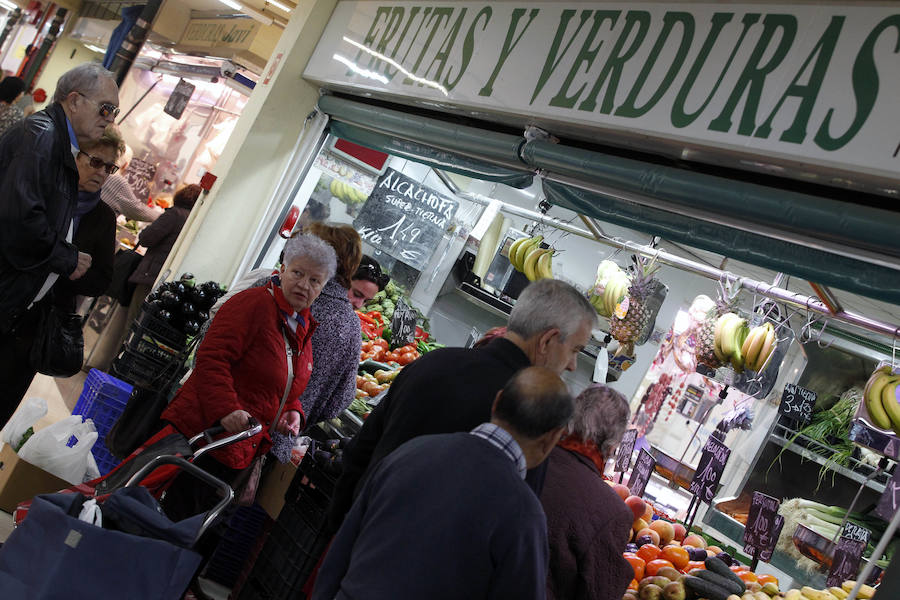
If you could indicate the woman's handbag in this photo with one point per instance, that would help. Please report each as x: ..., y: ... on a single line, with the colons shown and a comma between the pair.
x: 58, y: 348
x: 247, y: 481
x: 125, y: 263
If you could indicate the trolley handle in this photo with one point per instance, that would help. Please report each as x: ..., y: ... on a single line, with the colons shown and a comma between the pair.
x: 253, y: 428
x: 226, y: 492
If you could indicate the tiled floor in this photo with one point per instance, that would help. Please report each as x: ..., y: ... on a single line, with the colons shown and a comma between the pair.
x: 61, y: 396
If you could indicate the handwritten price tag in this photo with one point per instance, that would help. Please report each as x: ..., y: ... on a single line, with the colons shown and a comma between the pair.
x: 797, y: 403
x: 709, y: 469
x: 626, y: 447
x: 761, y: 526
x: 640, y: 475
x: 847, y: 554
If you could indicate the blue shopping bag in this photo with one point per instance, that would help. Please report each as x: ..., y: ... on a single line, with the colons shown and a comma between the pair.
x: 53, y: 555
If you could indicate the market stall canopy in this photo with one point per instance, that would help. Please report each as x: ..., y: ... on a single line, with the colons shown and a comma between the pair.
x: 431, y: 156
x: 470, y: 151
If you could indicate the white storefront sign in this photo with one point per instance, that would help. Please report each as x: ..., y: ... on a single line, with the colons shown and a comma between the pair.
x: 817, y: 84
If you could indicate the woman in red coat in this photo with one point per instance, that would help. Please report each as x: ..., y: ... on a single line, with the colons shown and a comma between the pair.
x: 241, y: 370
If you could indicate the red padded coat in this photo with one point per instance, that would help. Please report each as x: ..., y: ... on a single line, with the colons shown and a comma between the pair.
x: 242, y: 365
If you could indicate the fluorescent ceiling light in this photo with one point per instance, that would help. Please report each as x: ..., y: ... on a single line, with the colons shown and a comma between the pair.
x: 8, y: 5
x: 92, y: 47
x: 231, y: 4
x: 277, y: 5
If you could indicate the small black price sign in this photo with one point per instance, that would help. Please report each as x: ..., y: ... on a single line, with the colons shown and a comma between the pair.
x: 626, y: 447
x: 797, y: 403
x: 765, y: 554
x: 179, y: 99
x: 403, y: 325
x: 760, y: 530
x: 640, y: 474
x: 709, y: 469
x: 847, y: 554
x: 890, y: 498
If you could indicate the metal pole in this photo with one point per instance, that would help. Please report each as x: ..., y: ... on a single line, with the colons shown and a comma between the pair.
x: 134, y: 41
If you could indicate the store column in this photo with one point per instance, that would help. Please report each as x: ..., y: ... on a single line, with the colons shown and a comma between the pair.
x: 220, y: 229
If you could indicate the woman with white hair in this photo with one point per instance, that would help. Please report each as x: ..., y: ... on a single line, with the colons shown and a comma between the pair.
x: 242, y: 370
x: 587, y: 523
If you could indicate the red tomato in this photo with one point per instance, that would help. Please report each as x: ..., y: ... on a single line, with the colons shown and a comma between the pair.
x: 366, y: 346
x: 378, y: 354
x: 381, y: 343
x: 406, y: 358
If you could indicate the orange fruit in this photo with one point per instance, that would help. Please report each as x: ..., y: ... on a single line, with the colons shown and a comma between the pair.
x: 676, y: 555
x: 649, y: 552
x: 655, y: 565
x: 766, y: 578
x: 748, y: 576
x: 694, y: 564
x: 637, y: 563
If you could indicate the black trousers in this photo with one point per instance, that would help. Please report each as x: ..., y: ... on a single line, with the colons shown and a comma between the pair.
x: 16, y: 373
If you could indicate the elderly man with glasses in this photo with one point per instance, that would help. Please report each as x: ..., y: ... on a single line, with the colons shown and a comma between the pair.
x: 39, y: 194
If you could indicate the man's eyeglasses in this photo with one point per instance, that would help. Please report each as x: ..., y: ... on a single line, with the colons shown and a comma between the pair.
x: 373, y: 274
x: 96, y: 163
x: 106, y: 109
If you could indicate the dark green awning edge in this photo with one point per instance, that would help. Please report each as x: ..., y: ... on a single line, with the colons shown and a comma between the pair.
x: 848, y: 274
x: 431, y: 156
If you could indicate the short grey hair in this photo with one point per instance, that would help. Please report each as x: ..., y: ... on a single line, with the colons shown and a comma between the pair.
x: 548, y: 304
x: 84, y: 78
x: 601, y: 416
x: 313, y: 248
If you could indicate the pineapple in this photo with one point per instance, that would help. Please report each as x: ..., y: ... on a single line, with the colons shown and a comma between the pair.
x: 638, y: 319
x: 706, y: 331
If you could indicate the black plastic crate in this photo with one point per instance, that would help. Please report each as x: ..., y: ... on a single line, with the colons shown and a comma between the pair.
x: 145, y: 343
x: 144, y: 371
x: 288, y: 558
x: 160, y: 329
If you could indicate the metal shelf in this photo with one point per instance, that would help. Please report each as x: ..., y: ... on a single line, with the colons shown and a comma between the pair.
x: 810, y: 449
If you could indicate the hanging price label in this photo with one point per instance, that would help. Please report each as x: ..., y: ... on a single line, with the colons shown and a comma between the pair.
x: 848, y: 554
x: 640, y: 475
x: 797, y: 403
x: 626, y: 447
x: 761, y: 526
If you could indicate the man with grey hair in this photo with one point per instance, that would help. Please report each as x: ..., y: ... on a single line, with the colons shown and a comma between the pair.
x: 39, y: 188
x: 452, y: 389
x: 449, y: 516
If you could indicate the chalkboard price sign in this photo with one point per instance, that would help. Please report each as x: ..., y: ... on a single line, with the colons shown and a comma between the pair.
x: 139, y: 174
x: 760, y: 530
x: 640, y: 475
x: 845, y: 563
x: 179, y: 99
x: 709, y: 469
x: 403, y: 325
x: 890, y: 498
x: 405, y: 219
x: 626, y: 447
x: 765, y: 554
x: 797, y: 403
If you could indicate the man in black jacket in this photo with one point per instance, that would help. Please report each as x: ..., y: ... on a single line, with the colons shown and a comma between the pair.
x: 452, y: 389
x: 39, y: 188
x: 38, y: 199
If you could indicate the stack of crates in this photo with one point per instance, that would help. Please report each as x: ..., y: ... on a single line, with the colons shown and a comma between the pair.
x: 298, y: 538
x: 244, y: 527
x: 153, y: 353
x: 103, y: 399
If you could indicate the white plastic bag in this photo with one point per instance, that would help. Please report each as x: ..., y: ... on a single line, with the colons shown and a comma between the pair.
x: 26, y: 416
x: 91, y: 513
x: 48, y: 448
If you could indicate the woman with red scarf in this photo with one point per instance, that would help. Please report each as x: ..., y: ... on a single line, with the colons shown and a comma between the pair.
x: 587, y: 523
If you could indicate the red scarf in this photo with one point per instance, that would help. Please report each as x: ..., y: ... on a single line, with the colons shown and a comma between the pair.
x: 588, y: 449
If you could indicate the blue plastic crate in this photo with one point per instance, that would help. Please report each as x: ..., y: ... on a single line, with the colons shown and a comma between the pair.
x: 103, y: 399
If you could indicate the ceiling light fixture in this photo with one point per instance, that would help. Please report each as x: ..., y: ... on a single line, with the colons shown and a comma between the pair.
x: 8, y: 5
x: 231, y: 4
x: 278, y: 5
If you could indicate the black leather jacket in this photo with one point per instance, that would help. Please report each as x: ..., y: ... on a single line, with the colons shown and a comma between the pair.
x: 38, y: 194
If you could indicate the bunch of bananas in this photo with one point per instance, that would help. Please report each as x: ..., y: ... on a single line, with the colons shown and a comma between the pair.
x: 881, y: 398
x: 609, y: 288
x: 527, y: 256
x: 345, y: 192
x: 730, y: 334
x: 758, y: 347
